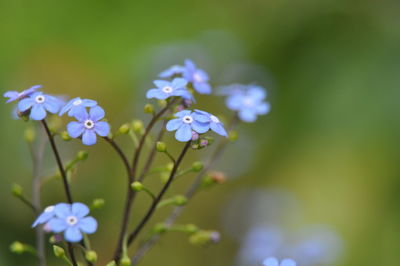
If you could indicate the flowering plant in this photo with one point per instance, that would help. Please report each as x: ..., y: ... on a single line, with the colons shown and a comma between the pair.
x: 68, y: 222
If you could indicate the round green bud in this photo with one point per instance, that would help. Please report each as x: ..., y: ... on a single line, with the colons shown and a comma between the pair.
x: 137, y: 186
x: 125, y: 261
x: 17, y: 247
x: 162, y: 103
x: 52, y: 240
x: 82, y: 155
x: 197, y: 166
x: 91, y: 256
x: 203, y: 237
x: 137, y: 126
x: 124, y: 129
x: 164, y: 177
x: 149, y: 108
x: 65, y: 136
x: 233, y: 135
x: 161, y: 146
x: 111, y: 263
x: 180, y: 200
x: 191, y: 228
x: 170, y: 166
x: 29, y: 135
x: 160, y: 228
x: 59, y: 252
x: 98, y: 203
x: 16, y: 190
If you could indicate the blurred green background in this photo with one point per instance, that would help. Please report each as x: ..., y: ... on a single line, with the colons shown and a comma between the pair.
x: 332, y: 69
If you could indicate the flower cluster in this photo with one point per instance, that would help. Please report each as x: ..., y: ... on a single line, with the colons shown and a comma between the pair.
x: 71, y: 219
x: 274, y: 262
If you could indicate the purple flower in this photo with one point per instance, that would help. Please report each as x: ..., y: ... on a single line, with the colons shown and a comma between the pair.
x: 88, y: 125
x: 77, y: 105
x: 72, y: 219
x: 248, y: 103
x: 185, y: 123
x: 197, y: 77
x: 214, y: 122
x: 166, y: 89
x: 172, y: 71
x: 271, y: 261
x: 45, y: 216
x: 15, y: 95
x: 39, y: 103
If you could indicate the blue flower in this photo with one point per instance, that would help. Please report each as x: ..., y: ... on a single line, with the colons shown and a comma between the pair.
x: 15, y: 95
x: 186, y: 123
x: 215, y: 124
x: 45, y: 216
x: 39, y: 103
x: 197, y: 77
x: 172, y: 71
x: 77, y: 105
x: 271, y: 261
x: 88, y: 125
x: 72, y: 219
x: 166, y: 89
x: 248, y: 103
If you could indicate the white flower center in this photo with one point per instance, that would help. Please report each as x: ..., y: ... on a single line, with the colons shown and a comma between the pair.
x: 248, y: 101
x: 167, y: 89
x: 187, y: 119
x: 49, y: 209
x: 71, y: 220
x: 89, y: 124
x: 40, y: 99
x: 197, y: 77
x: 214, y: 119
x: 77, y: 102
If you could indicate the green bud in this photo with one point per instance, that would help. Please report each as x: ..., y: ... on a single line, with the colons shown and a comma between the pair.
x: 164, y: 177
x: 82, y: 155
x: 29, y: 135
x: 180, y: 200
x: 137, y: 186
x: 170, y: 166
x: 59, y: 252
x: 233, y: 135
x: 204, y: 237
x: 197, y: 166
x: 98, y: 203
x: 137, y: 126
x: 16, y: 190
x: 17, y: 247
x: 124, y: 129
x: 160, y: 228
x: 91, y: 256
x: 52, y: 240
x: 111, y: 263
x: 65, y: 136
x: 161, y: 146
x: 125, y: 261
x: 191, y: 228
x: 162, y: 103
x: 149, y: 108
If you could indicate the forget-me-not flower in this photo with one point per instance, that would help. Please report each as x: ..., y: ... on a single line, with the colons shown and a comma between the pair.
x: 186, y: 122
x: 197, y: 77
x: 215, y: 124
x: 45, y: 216
x: 77, y: 105
x: 248, y: 103
x: 72, y: 219
x: 172, y: 71
x: 39, y: 104
x: 166, y: 89
x: 15, y: 95
x: 271, y: 261
x: 89, y: 125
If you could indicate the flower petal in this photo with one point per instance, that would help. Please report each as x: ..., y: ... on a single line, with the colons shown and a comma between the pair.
x: 102, y: 128
x: 89, y: 137
x: 200, y: 127
x: 161, y: 83
x: 201, y: 117
x: 96, y: 113
x: 25, y: 104
x: 78, y: 109
x: 75, y: 129
x: 89, y: 103
x: 174, y: 124
x: 184, y: 133
x: 235, y: 101
x: 152, y: 93
x: 79, y: 210
x: 44, y: 217
x: 81, y: 115
x: 271, y: 262
x: 202, y: 87
x: 247, y: 115
x: 185, y: 94
x: 62, y: 210
x: 38, y: 112
x: 52, y: 106
x: 257, y: 93
x: 183, y: 113
x: 57, y: 225
x: 219, y: 129
x: 66, y: 108
x: 178, y: 83
x: 263, y: 108
x: 12, y: 95
x: 288, y: 262
x: 73, y: 234
x: 190, y: 66
x: 88, y: 225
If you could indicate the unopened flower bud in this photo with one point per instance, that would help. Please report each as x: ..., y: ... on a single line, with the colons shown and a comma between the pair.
x: 217, y: 177
x: 17, y: 247
x: 164, y: 177
x: 125, y: 261
x: 137, y: 186
x: 180, y: 200
x: 233, y: 135
x: 195, y: 135
x: 29, y: 135
x: 191, y: 228
x: 16, y: 190
x: 204, y: 237
x: 161, y: 146
x: 82, y: 155
x: 203, y: 143
x: 65, y: 136
x: 149, y: 108
x: 91, y: 256
x: 180, y: 108
x: 160, y: 228
x: 170, y: 166
x: 197, y: 166
x: 111, y: 263
x: 124, y: 129
x: 162, y: 103
x: 137, y: 126
x: 59, y: 252
x: 98, y: 203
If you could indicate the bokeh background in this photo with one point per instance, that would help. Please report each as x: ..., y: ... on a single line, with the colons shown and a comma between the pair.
x: 330, y: 143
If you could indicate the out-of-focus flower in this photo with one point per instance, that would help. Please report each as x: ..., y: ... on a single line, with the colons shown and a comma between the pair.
x: 215, y: 124
x: 185, y: 123
x: 77, y: 105
x: 89, y: 125
x: 272, y: 261
x: 166, y: 89
x: 15, y: 95
x: 45, y: 216
x: 171, y: 71
x: 39, y: 104
x: 197, y: 77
